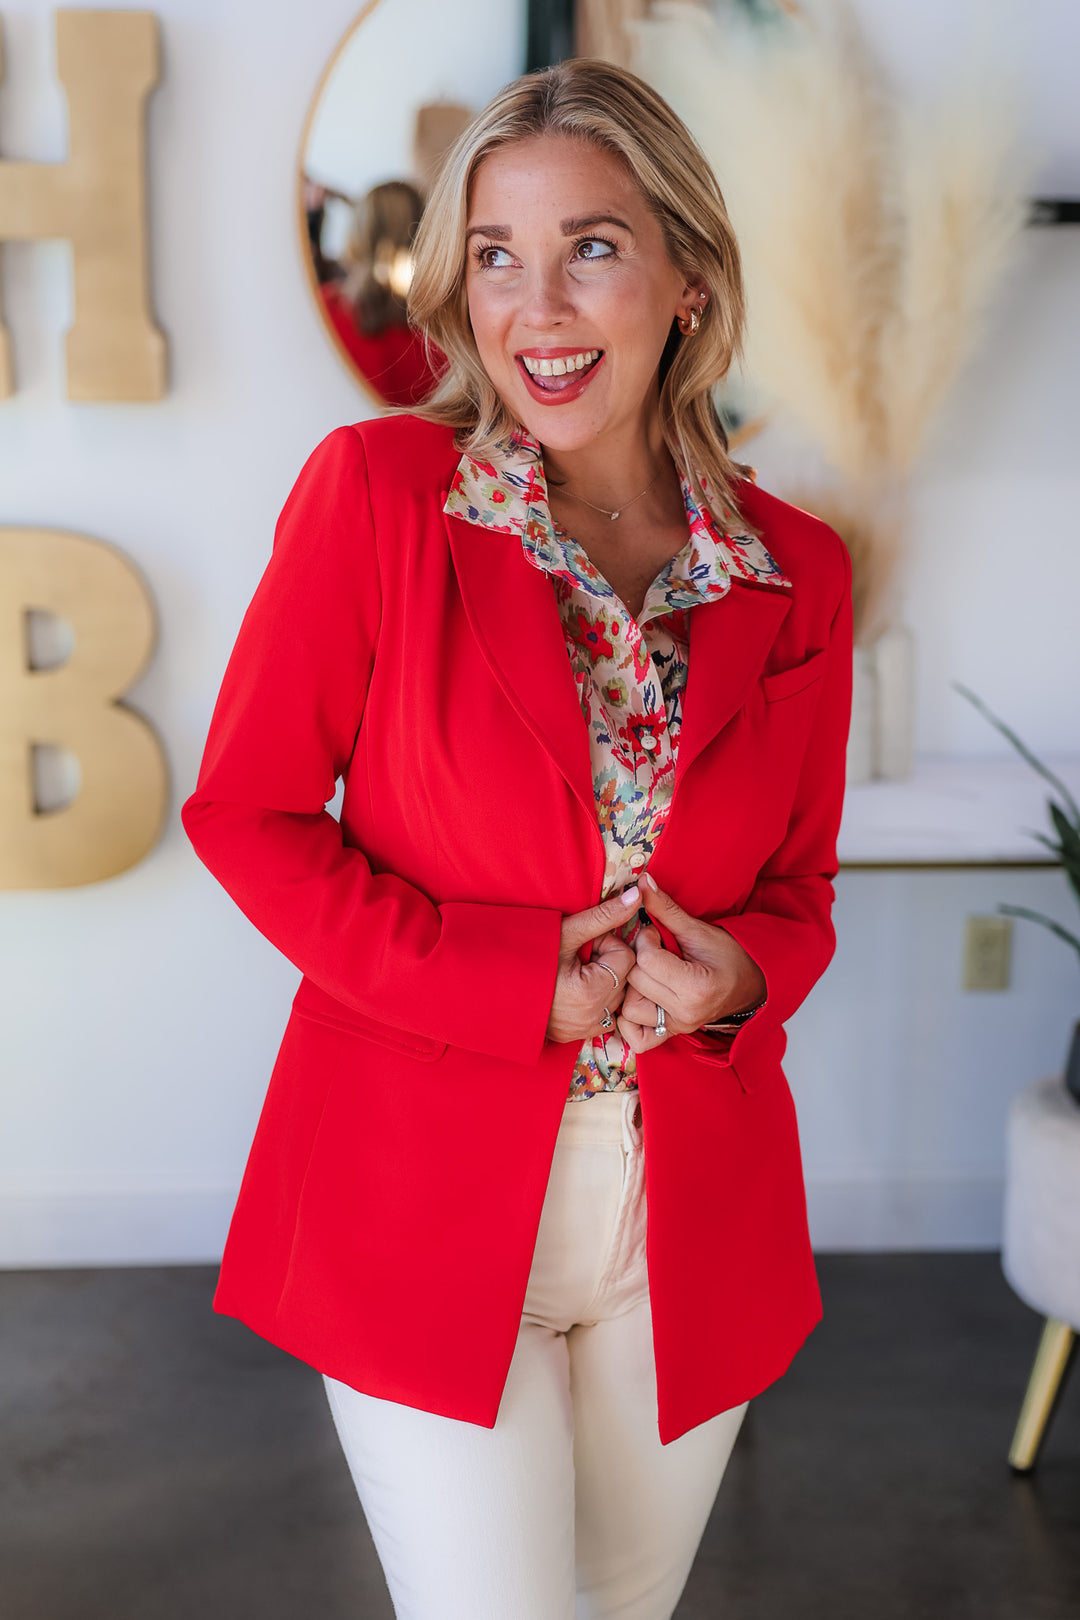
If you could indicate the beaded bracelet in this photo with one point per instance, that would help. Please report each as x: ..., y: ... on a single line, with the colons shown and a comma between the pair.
x: 732, y: 1022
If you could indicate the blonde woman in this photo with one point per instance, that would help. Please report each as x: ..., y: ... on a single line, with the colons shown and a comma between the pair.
x: 527, y: 1188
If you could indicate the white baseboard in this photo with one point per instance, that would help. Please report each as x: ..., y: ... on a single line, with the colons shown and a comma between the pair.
x: 943, y: 1212
x: 187, y: 1225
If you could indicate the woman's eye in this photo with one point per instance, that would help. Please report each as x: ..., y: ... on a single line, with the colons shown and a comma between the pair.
x: 484, y: 257
x: 596, y: 247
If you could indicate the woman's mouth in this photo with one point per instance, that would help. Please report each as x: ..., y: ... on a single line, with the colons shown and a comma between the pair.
x: 556, y: 376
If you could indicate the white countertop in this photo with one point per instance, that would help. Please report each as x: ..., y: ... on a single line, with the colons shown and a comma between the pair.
x: 956, y: 811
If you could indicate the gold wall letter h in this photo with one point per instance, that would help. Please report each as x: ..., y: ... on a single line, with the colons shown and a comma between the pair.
x: 107, y: 62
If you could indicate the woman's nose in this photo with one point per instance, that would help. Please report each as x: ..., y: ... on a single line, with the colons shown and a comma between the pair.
x: 547, y: 300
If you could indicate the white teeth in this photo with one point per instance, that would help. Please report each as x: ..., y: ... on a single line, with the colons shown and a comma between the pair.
x: 559, y: 368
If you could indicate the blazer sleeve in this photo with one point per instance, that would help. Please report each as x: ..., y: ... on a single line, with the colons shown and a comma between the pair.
x: 283, y: 730
x: 786, y: 925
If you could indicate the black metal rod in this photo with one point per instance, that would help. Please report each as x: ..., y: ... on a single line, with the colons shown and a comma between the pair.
x: 1054, y: 211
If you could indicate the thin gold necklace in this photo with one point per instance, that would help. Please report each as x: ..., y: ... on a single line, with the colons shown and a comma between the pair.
x: 619, y: 510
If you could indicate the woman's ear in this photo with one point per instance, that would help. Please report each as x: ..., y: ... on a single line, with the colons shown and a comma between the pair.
x: 695, y: 295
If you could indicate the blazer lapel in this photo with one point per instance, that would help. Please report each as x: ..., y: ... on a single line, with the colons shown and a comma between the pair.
x: 512, y: 611
x: 729, y: 642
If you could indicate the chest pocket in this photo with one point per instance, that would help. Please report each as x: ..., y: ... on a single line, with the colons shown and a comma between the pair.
x: 785, y: 683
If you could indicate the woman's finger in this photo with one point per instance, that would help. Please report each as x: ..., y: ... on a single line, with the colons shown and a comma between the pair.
x: 640, y: 1012
x: 635, y: 1035
x: 685, y: 928
x: 638, y: 1008
x: 642, y: 1037
x: 606, y: 975
x: 582, y: 926
x: 610, y: 948
x: 668, y: 982
x: 666, y: 967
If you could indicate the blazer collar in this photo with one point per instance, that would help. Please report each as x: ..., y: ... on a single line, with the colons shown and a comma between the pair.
x: 508, y: 495
x: 512, y: 610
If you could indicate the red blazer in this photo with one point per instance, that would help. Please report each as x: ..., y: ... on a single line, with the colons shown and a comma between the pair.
x: 386, y: 1222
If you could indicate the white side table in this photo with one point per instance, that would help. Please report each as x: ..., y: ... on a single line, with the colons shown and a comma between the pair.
x: 1041, y: 1248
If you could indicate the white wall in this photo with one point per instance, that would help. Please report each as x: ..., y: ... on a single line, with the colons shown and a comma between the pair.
x: 141, y: 1016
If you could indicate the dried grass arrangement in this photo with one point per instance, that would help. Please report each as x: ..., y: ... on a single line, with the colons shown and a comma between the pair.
x: 873, y: 235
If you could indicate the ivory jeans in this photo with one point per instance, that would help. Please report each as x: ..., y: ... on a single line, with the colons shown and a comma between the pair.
x: 569, y: 1508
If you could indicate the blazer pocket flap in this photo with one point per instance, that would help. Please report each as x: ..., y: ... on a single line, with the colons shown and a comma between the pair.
x: 311, y: 1002
x: 786, y: 682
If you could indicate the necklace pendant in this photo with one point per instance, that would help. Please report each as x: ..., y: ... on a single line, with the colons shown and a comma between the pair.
x: 614, y: 515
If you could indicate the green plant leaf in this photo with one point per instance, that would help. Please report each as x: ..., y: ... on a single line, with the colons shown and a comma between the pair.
x: 1043, y: 838
x: 1047, y: 922
x: 1070, y: 849
x: 1068, y: 834
x: 1021, y: 748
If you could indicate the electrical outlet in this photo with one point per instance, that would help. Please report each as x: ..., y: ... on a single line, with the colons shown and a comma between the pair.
x: 987, y: 953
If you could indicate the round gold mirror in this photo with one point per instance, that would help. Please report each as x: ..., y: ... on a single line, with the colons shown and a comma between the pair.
x: 402, y: 84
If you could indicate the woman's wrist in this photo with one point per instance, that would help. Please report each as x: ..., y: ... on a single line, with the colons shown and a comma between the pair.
x: 731, y: 1023
x: 742, y: 999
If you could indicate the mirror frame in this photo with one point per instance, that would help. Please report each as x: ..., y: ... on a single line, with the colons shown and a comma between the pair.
x: 301, y: 212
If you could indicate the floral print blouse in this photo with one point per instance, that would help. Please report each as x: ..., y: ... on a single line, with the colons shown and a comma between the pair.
x: 630, y: 673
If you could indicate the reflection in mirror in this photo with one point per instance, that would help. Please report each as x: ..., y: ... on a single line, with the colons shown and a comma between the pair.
x: 401, y: 87
x: 362, y: 292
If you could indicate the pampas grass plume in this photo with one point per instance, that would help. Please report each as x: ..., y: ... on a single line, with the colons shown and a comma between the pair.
x: 872, y: 237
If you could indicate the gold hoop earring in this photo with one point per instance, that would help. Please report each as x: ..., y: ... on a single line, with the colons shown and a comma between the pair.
x: 692, y: 323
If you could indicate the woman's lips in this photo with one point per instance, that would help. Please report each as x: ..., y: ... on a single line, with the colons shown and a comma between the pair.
x: 559, y: 390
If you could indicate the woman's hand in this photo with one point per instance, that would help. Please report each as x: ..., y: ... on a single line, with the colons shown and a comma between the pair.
x: 584, y: 989
x: 714, y: 975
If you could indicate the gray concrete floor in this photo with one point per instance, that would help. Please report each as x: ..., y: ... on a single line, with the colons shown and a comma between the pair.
x: 158, y: 1462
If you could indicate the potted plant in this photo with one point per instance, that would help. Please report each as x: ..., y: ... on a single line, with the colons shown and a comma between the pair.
x: 1064, y: 816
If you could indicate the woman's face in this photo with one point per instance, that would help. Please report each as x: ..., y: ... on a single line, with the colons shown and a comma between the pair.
x: 571, y: 292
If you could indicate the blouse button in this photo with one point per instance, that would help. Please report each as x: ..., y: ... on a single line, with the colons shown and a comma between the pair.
x: 637, y: 861
x: 649, y: 741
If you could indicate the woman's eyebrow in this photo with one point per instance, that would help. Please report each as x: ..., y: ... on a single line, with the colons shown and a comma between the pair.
x: 569, y: 227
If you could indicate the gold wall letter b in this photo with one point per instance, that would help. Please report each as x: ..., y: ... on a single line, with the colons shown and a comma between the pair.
x: 116, y: 816
x: 107, y: 62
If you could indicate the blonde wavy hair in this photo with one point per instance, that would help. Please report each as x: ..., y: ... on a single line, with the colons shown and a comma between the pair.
x: 606, y: 105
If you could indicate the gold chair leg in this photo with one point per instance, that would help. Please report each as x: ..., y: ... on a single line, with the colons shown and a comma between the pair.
x: 1051, y: 1359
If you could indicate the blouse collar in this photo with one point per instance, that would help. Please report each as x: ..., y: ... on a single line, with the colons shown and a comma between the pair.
x: 509, y: 496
